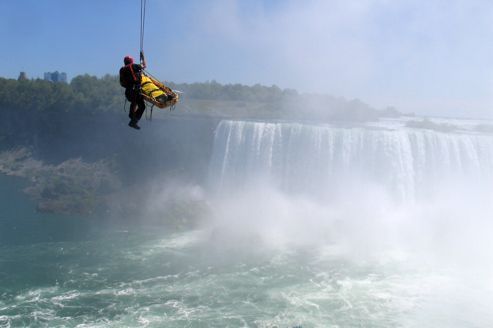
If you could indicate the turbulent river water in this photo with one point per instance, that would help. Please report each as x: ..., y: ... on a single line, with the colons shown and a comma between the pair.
x: 310, y: 226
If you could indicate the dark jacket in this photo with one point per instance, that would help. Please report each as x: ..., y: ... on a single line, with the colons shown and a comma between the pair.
x: 130, y: 75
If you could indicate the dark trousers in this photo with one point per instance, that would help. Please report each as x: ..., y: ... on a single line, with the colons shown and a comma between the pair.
x: 137, y: 104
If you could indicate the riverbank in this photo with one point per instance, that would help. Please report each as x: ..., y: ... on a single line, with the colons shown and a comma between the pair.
x: 76, y: 188
x: 71, y: 187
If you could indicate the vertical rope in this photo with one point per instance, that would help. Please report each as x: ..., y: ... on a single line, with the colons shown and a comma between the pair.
x: 141, y: 16
x: 143, y: 4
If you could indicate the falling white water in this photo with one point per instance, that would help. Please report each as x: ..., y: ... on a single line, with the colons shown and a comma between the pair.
x: 267, y: 252
x: 408, y: 163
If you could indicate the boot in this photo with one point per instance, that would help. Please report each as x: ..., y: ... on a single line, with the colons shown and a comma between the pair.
x: 133, y: 124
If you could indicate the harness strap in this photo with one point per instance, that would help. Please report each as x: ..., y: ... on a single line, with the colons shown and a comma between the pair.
x: 149, y: 118
x: 132, y: 71
x: 157, y: 89
x: 125, y: 105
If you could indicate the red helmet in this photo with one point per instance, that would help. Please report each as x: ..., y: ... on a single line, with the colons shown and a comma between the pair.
x: 128, y: 60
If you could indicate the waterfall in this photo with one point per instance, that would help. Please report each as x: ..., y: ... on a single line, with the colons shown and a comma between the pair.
x: 322, y: 159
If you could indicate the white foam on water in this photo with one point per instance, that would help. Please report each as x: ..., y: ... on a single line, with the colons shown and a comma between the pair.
x: 311, y: 226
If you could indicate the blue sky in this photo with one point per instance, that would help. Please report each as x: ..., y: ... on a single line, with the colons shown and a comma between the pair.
x: 431, y: 57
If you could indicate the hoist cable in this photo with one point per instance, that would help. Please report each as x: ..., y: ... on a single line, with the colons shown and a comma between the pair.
x: 143, y: 4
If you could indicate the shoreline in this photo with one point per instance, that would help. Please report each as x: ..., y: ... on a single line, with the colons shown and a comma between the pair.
x: 71, y: 187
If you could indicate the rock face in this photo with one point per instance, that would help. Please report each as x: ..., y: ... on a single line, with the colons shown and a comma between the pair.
x: 72, y: 186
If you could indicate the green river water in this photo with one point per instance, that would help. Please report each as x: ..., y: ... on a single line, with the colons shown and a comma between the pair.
x: 58, y: 271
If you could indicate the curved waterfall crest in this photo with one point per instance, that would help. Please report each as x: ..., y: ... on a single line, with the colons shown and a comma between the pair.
x: 321, y: 159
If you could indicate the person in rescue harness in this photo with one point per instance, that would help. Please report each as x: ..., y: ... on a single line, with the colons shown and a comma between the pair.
x: 130, y: 79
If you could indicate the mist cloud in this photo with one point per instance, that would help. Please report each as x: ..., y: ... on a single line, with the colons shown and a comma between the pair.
x: 428, y: 57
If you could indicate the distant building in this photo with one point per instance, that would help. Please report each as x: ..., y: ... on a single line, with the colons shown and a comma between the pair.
x: 56, y: 77
x: 22, y: 76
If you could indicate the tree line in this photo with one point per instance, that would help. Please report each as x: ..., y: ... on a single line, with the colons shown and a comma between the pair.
x: 91, y: 94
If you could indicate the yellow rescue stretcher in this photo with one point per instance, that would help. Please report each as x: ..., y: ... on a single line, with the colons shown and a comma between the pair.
x: 157, y: 93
